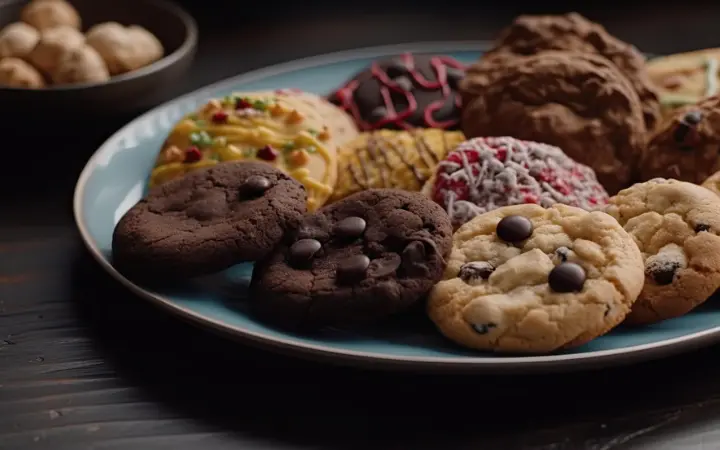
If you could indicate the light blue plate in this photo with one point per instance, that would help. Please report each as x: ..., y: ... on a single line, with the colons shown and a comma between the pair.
x: 114, y: 180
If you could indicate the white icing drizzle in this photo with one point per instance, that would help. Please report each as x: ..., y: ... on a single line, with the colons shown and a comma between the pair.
x: 711, y: 77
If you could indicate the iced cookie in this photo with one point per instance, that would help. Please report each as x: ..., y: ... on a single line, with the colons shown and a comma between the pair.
x: 207, y: 221
x: 676, y: 226
x: 392, y: 159
x: 405, y: 92
x: 685, y: 78
x: 253, y: 127
x: 353, y: 262
x: 525, y: 279
x: 578, y: 102
x: 685, y: 146
x: 529, y: 35
x: 484, y: 174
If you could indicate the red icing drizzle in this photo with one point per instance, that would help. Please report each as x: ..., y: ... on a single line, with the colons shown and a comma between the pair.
x: 439, y: 64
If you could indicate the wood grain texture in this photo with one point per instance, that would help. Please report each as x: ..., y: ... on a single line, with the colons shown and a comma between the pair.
x: 84, y: 365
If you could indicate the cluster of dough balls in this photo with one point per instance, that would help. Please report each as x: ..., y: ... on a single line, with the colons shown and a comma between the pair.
x: 47, y: 47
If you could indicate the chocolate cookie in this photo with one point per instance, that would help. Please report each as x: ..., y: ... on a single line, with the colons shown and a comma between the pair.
x: 685, y: 147
x: 529, y: 35
x: 359, y: 260
x: 405, y: 92
x: 578, y: 102
x: 207, y: 221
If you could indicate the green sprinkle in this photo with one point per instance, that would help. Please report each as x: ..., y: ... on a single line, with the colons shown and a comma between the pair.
x: 259, y: 105
x: 201, y: 139
x: 289, y: 146
x: 313, y: 132
x: 311, y: 149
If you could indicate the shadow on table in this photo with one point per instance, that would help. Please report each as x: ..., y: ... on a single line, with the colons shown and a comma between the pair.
x: 244, y: 390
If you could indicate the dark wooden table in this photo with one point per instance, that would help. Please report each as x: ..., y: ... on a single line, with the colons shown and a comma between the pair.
x: 85, y: 365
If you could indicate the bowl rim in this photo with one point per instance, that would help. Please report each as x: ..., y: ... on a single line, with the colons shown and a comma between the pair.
x: 188, y: 45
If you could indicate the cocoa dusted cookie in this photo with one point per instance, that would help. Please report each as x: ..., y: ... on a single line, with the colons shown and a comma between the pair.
x: 208, y: 221
x: 529, y: 35
x: 685, y: 146
x: 578, y: 102
x: 358, y: 260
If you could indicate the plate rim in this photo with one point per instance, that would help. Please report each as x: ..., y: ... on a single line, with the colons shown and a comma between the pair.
x: 543, y: 363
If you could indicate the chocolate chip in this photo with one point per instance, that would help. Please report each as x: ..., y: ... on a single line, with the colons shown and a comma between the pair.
x: 302, y: 251
x: 352, y: 269
x: 701, y: 227
x: 567, y: 277
x: 255, y: 185
x: 350, y: 227
x: 386, y: 266
x: 404, y: 83
x: 378, y: 114
x: 484, y: 328
x: 693, y: 117
x: 413, y: 253
x: 662, y: 273
x: 681, y: 133
x: 474, y: 270
x: 514, y: 229
x: 454, y: 76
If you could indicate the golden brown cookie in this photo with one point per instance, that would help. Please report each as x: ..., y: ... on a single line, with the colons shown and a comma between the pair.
x: 252, y: 128
x: 526, y: 279
x: 713, y: 183
x: 391, y: 159
x: 578, y: 102
x: 675, y: 224
x: 529, y: 35
x: 15, y: 72
x: 685, y: 146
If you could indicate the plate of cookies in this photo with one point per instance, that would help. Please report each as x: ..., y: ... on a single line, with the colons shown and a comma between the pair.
x: 547, y: 201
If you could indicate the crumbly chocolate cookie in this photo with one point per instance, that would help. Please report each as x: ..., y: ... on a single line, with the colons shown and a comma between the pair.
x: 405, y: 92
x: 526, y: 279
x: 359, y: 260
x: 676, y: 226
x: 529, y: 34
x: 207, y: 221
x: 578, y: 102
x: 685, y: 146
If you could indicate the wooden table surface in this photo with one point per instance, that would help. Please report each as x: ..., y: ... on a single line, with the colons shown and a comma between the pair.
x: 86, y: 365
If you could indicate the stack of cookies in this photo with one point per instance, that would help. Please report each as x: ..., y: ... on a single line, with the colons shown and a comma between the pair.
x: 536, y: 199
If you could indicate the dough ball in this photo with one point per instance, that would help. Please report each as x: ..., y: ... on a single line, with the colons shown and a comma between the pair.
x: 53, y: 45
x: 15, y: 72
x: 81, y: 65
x: 44, y: 14
x: 124, y: 48
x: 18, y: 40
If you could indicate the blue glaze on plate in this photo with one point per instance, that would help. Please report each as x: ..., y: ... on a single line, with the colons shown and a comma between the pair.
x: 115, y: 177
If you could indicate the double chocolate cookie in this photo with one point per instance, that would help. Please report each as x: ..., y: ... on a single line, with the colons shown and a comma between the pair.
x: 207, y: 221
x: 406, y: 92
x: 355, y: 261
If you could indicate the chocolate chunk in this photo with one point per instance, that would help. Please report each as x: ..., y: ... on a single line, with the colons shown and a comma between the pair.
x: 413, y: 258
x: 701, y: 227
x: 681, y: 132
x: 693, y: 117
x: 484, y: 328
x: 386, y: 266
x: 514, y: 229
x: 302, y: 251
x: 350, y: 227
x: 378, y: 114
x: 474, y: 270
x: 353, y: 269
x: 404, y: 83
x: 454, y: 76
x: 662, y: 273
x: 567, y: 277
x: 255, y: 185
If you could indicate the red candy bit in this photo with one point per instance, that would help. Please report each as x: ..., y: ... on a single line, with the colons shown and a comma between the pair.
x: 267, y: 153
x: 242, y: 104
x: 192, y: 154
x: 220, y: 117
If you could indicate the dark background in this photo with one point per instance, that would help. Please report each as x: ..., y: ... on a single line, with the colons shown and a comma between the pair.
x: 85, y: 365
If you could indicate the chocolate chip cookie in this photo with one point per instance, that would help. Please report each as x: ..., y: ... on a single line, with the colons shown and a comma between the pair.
x: 685, y: 146
x: 529, y: 35
x: 355, y: 261
x: 578, y: 102
x: 525, y: 279
x: 676, y: 226
x: 207, y: 221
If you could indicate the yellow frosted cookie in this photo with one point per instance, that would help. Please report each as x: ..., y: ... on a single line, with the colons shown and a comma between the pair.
x: 253, y: 128
x: 391, y: 159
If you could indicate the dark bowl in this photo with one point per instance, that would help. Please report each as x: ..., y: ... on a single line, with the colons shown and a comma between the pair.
x: 123, y: 94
